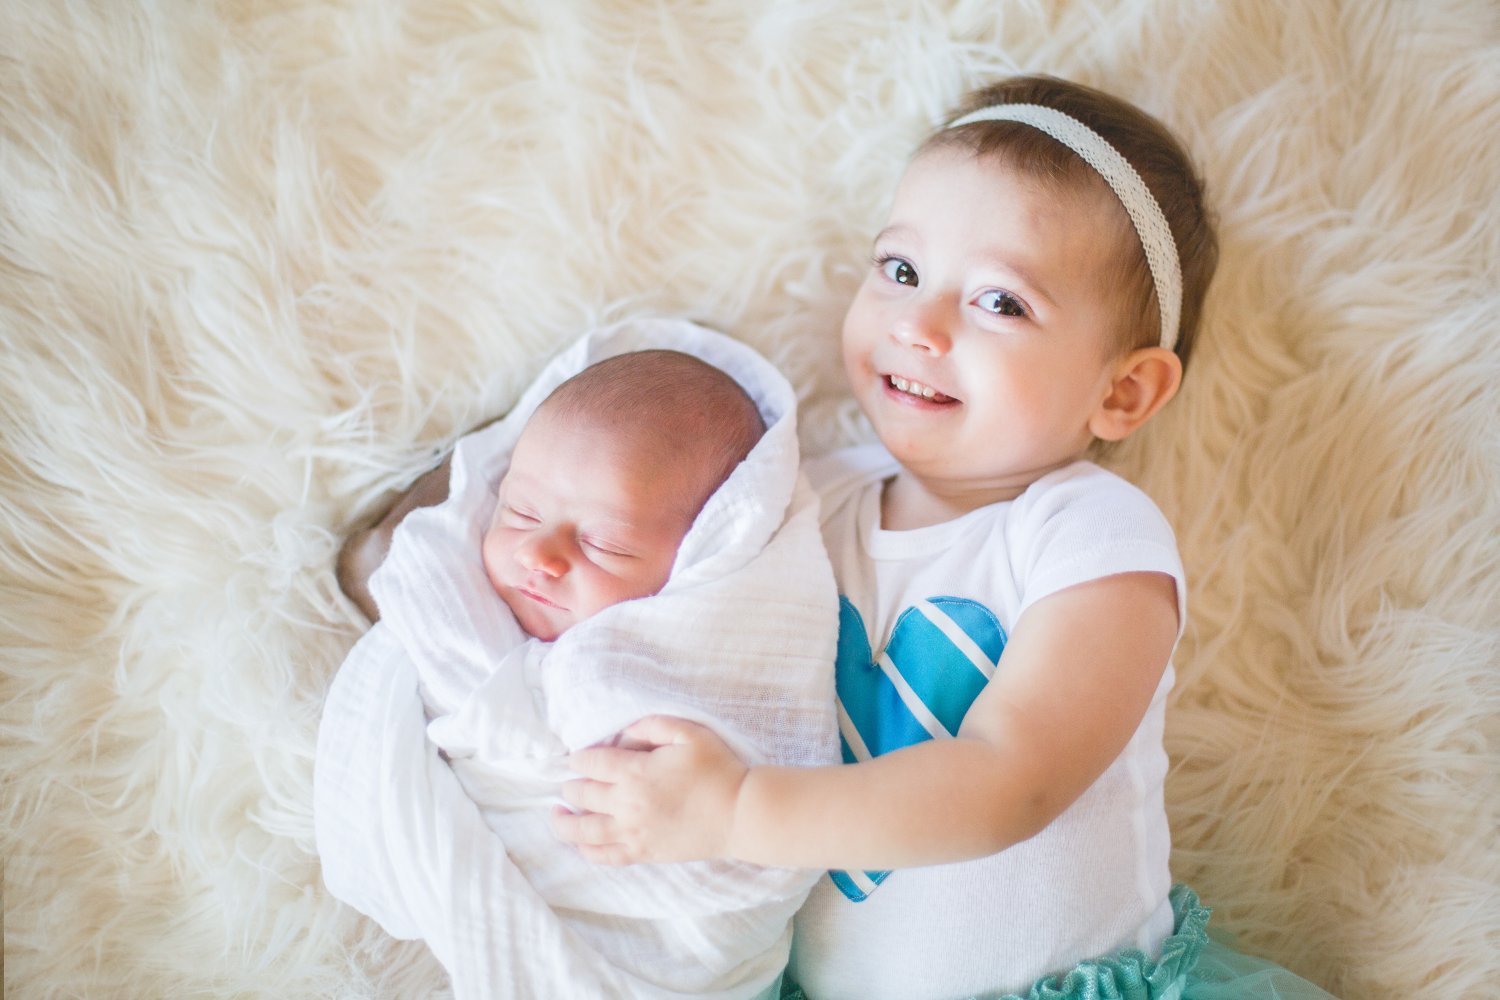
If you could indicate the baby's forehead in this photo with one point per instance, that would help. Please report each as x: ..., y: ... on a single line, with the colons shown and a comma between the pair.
x: 632, y: 449
x: 630, y: 433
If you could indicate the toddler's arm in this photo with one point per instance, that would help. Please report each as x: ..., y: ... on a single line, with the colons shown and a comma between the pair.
x: 1075, y: 679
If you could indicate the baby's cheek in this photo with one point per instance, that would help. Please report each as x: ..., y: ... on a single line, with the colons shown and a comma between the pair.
x: 625, y: 580
x: 490, y: 550
x: 647, y: 585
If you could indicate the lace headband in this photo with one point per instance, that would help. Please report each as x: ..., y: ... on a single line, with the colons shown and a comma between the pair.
x: 1145, y: 214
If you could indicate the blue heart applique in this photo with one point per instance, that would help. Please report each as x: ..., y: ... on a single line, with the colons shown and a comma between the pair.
x: 941, y: 654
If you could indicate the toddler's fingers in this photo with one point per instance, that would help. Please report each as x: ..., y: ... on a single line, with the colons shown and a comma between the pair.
x: 590, y: 796
x: 583, y: 829
x: 603, y: 763
x: 660, y: 730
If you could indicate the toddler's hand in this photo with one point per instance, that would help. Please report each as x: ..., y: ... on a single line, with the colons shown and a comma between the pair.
x: 672, y: 803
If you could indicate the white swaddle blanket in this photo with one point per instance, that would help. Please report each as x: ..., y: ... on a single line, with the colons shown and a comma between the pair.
x: 741, y: 638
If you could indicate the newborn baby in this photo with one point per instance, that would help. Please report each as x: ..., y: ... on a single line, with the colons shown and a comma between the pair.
x: 649, y: 548
x: 606, y: 479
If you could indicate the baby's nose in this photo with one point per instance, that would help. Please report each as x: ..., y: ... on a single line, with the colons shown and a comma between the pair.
x: 543, y: 553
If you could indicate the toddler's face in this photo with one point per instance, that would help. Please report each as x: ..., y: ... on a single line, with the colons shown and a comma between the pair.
x: 980, y: 343
x: 582, y: 522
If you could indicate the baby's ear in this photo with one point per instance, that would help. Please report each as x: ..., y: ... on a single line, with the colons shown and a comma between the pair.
x: 1144, y: 380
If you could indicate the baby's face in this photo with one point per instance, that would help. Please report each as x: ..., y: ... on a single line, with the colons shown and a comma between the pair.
x: 583, y: 521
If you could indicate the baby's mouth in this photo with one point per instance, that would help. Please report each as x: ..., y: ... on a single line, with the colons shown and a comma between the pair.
x: 540, y: 599
x: 917, y: 390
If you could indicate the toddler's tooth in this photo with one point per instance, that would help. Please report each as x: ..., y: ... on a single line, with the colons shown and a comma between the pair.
x: 906, y: 385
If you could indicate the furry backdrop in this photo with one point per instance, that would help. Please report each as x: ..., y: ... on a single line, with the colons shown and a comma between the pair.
x: 261, y: 261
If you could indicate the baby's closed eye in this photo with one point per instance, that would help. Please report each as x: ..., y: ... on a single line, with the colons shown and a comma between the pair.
x: 517, y: 516
x: 608, y: 547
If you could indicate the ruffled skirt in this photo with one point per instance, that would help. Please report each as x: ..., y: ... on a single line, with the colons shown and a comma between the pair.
x: 1191, y: 966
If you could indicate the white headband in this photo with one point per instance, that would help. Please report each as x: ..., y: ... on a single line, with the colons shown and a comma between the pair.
x: 1145, y: 214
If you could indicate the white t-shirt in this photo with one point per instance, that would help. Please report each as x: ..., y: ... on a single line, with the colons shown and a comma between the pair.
x: 935, y: 605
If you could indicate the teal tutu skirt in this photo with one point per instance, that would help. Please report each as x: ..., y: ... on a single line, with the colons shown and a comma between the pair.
x: 1191, y: 966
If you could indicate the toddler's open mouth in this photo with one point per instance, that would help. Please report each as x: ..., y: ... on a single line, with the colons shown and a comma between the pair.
x: 916, y: 390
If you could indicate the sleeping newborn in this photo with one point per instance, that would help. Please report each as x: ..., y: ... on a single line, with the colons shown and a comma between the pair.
x: 606, y: 479
x: 638, y: 541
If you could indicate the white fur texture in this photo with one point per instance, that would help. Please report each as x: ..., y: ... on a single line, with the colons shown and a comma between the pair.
x: 259, y: 260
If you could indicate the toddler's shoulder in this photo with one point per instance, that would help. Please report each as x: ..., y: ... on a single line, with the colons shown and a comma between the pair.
x: 1085, y: 492
x: 1083, y: 523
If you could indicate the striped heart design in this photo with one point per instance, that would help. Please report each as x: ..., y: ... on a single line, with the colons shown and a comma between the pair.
x: 941, y: 653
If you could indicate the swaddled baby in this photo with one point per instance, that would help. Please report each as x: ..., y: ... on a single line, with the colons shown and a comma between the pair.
x: 603, y: 484
x: 605, y: 481
x: 642, y: 551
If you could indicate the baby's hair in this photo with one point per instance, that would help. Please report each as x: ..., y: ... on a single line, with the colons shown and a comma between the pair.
x: 684, y: 408
x: 1152, y: 150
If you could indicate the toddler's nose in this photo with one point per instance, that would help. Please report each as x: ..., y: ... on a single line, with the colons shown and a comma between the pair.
x: 925, y: 326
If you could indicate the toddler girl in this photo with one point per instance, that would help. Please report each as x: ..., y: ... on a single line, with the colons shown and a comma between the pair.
x: 1008, y: 609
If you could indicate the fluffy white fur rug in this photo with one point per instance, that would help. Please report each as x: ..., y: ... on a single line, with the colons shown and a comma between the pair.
x: 259, y: 261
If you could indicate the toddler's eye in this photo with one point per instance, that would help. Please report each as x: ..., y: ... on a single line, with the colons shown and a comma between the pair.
x: 899, y: 271
x: 1000, y: 303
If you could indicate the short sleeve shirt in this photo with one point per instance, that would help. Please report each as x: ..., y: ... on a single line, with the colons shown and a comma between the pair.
x: 924, y: 617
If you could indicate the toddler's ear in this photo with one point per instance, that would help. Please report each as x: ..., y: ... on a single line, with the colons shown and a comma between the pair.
x: 1144, y: 381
